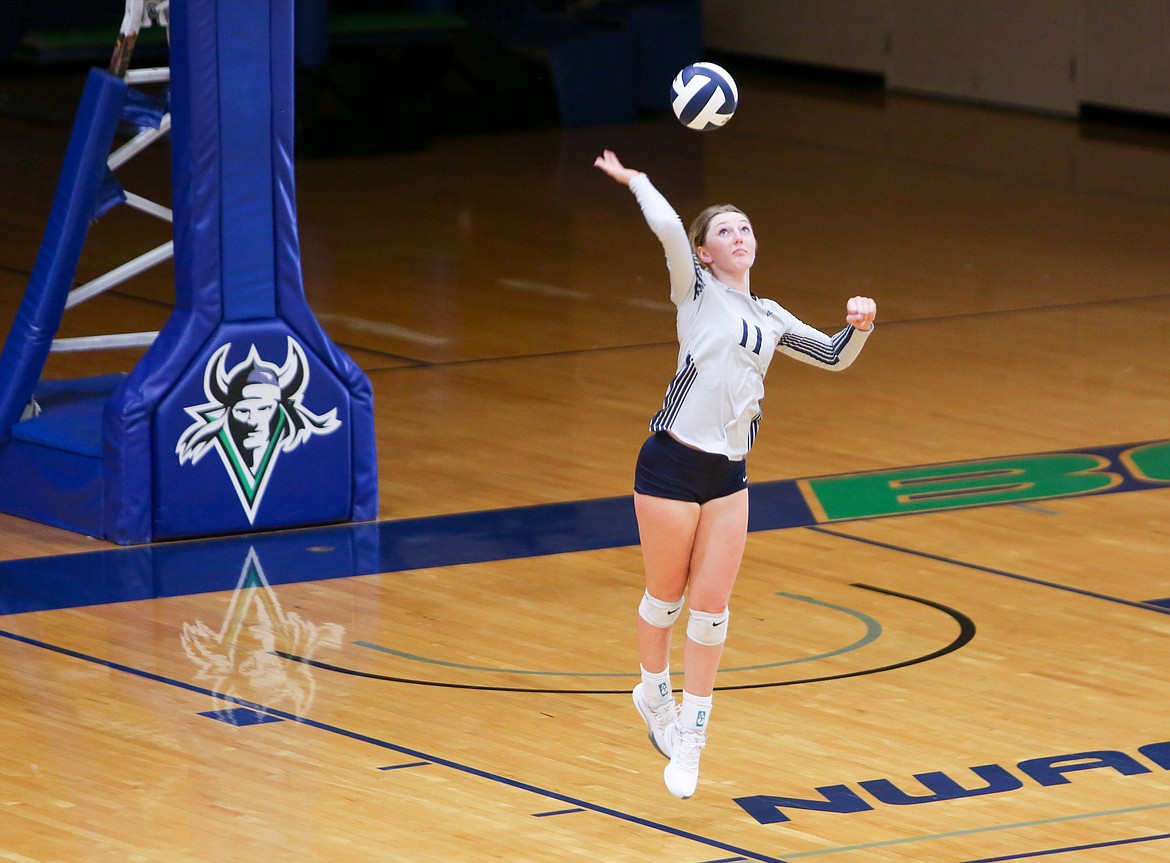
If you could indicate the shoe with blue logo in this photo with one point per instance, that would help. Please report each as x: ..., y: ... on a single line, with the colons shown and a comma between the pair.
x: 661, y: 722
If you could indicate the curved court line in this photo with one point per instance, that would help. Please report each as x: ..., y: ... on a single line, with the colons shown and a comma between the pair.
x: 873, y: 631
x: 966, y: 633
x: 402, y: 750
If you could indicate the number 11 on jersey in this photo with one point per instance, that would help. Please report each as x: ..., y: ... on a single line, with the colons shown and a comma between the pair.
x: 743, y: 342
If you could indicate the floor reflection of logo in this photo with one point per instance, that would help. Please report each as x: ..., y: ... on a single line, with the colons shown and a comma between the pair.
x: 239, y: 659
x: 253, y: 413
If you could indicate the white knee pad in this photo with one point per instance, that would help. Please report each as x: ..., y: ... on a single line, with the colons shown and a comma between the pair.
x: 706, y: 627
x: 657, y: 612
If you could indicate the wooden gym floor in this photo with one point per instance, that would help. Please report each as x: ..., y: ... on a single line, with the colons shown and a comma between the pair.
x: 951, y: 621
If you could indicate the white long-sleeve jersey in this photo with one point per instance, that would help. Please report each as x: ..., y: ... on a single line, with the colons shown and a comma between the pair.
x: 726, y: 342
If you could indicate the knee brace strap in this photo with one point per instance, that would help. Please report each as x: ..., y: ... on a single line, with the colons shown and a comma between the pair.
x: 657, y: 612
x: 706, y: 627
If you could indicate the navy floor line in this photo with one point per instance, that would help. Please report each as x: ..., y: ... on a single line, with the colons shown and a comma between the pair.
x: 403, y: 750
x: 1147, y: 606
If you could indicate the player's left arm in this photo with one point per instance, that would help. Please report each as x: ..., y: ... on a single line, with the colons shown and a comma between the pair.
x: 837, y: 352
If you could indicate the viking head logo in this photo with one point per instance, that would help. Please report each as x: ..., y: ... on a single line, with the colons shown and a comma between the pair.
x: 253, y: 413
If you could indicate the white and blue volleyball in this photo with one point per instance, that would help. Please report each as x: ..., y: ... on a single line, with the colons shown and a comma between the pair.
x: 703, y: 96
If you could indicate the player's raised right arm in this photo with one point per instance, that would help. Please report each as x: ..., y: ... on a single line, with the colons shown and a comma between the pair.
x: 662, y: 220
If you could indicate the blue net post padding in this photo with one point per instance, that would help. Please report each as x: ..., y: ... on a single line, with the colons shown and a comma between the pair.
x: 242, y: 415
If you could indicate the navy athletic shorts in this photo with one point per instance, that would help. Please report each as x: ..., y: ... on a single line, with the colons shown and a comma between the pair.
x: 667, y: 468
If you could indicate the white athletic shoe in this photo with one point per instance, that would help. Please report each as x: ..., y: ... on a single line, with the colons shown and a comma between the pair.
x: 682, y: 773
x: 661, y: 722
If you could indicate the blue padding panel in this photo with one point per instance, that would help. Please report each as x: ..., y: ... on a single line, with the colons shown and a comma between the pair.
x: 278, y: 482
x: 52, y: 486
x: 82, y: 180
x: 143, y: 110
x: 109, y: 196
x: 195, y: 163
x: 290, y: 293
x: 71, y: 415
x: 246, y: 120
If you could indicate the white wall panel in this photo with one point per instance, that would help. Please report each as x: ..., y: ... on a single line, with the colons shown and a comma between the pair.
x: 1126, y: 57
x: 1011, y: 52
x: 1050, y: 55
x: 843, y: 34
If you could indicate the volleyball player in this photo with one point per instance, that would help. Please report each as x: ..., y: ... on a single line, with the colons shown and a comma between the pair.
x: 690, y: 483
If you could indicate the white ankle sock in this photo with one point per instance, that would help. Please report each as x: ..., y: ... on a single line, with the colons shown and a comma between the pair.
x: 696, y: 711
x: 656, y: 687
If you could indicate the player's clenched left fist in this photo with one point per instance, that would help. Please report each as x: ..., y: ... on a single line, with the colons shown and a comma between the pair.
x: 860, y: 311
